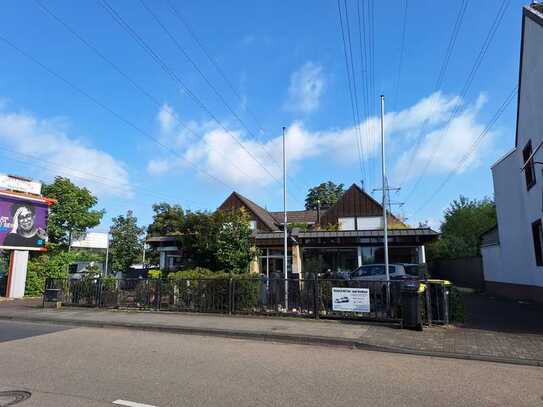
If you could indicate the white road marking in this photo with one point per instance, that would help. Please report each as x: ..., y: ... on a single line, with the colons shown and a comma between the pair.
x: 131, y: 403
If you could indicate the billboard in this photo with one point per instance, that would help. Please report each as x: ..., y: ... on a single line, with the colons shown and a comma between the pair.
x: 92, y: 240
x: 23, y: 222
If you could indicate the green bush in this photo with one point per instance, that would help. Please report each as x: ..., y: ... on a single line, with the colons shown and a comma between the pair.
x: 46, y: 266
x: 52, y: 265
x: 153, y: 273
x: 203, y: 289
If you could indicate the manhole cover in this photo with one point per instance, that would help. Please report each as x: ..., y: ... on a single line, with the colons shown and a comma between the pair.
x: 10, y: 398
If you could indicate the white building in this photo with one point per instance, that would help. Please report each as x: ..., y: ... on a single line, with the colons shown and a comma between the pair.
x: 513, y: 257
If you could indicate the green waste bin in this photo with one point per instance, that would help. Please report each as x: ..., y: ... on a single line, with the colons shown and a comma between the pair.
x: 411, y: 315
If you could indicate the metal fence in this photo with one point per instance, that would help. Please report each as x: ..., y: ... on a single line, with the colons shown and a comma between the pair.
x: 3, y: 286
x: 310, y: 297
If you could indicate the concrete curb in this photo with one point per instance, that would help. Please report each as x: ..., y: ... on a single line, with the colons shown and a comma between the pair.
x: 272, y: 337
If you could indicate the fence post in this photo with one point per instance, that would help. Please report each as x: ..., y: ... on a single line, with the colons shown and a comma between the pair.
x: 428, y: 302
x: 316, y: 296
x: 445, y: 305
x: 230, y: 296
x: 45, y: 285
x: 158, y: 293
x: 99, y: 292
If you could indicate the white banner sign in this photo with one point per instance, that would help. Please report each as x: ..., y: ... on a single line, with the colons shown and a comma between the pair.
x: 20, y: 184
x: 92, y: 240
x: 351, y: 299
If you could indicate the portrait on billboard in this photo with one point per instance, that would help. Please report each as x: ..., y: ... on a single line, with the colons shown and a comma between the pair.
x: 23, y: 223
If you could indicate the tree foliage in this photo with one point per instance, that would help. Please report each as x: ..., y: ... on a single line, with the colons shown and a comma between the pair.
x: 126, y: 242
x: 234, y: 248
x: 328, y: 193
x: 53, y: 265
x: 73, y: 214
x: 465, y: 220
x: 219, y: 240
x: 168, y: 220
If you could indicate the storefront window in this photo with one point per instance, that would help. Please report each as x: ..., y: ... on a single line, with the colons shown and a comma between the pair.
x: 271, y: 262
x: 376, y: 255
x: 321, y: 260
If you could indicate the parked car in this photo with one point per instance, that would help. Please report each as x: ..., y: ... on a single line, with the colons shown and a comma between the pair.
x: 376, y: 272
x: 413, y: 270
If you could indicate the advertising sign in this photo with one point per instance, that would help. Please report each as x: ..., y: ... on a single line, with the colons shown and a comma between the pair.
x: 350, y: 299
x: 20, y: 184
x: 23, y: 222
x: 92, y: 240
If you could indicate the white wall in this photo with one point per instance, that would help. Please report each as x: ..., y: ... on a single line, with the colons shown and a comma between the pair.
x: 492, y: 263
x: 517, y: 207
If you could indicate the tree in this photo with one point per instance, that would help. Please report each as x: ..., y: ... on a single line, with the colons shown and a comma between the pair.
x: 218, y: 241
x: 126, y: 241
x: 234, y: 247
x: 199, y: 239
x: 465, y: 220
x: 328, y: 193
x: 73, y: 213
x: 168, y: 220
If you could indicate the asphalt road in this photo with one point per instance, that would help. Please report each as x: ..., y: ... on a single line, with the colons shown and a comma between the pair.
x: 11, y: 330
x: 95, y: 367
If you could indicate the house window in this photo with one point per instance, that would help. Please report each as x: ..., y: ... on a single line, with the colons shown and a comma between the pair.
x: 537, y: 234
x: 252, y: 224
x: 529, y: 170
x: 346, y: 224
x: 369, y: 223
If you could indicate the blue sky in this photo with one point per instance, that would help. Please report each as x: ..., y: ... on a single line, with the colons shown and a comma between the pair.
x: 286, y: 63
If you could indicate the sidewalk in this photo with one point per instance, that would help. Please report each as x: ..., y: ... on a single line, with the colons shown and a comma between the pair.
x: 452, y: 342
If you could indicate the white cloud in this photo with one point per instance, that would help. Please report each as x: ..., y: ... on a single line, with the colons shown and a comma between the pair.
x: 167, y: 118
x: 305, y: 89
x: 443, y: 146
x: 217, y: 152
x: 45, y: 144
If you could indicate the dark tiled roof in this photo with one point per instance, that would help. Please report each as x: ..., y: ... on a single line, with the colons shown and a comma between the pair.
x: 490, y: 237
x: 297, y: 216
x: 353, y: 233
x: 369, y: 233
x: 259, y: 211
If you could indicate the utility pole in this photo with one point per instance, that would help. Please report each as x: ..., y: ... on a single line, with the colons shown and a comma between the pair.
x: 285, y: 228
x: 385, y: 190
x: 386, y: 199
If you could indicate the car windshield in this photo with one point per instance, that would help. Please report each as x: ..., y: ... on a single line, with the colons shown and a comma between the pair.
x: 412, y: 270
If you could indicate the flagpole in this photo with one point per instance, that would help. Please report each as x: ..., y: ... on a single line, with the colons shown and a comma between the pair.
x: 285, y: 228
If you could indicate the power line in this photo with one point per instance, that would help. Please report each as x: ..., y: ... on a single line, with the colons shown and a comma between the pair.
x: 355, y: 88
x: 373, y: 97
x: 35, y: 161
x: 181, y: 49
x: 365, y: 84
x: 100, y: 54
x: 465, y: 89
x: 400, y: 63
x: 439, y: 82
x: 213, y: 62
x: 472, y: 149
x: 108, y: 109
x: 123, y: 24
x: 217, y: 93
x: 349, y: 85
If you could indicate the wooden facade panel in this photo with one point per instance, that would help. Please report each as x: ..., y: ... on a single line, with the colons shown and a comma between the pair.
x: 353, y: 203
x: 234, y: 203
